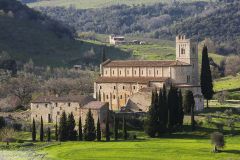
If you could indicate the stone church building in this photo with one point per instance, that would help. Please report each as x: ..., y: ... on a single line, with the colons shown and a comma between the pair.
x: 130, y: 82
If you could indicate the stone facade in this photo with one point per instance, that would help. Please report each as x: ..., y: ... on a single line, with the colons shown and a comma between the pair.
x: 120, y: 80
x: 51, y: 108
x: 98, y: 109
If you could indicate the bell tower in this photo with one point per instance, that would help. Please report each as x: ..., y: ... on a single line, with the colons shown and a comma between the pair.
x: 187, y: 51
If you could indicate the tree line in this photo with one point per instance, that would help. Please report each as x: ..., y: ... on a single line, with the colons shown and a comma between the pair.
x: 65, y: 130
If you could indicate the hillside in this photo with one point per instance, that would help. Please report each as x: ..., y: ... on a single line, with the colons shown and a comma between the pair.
x: 25, y: 34
x: 161, y: 21
x: 86, y: 4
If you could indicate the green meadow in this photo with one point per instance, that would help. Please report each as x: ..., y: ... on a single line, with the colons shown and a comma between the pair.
x: 185, y: 145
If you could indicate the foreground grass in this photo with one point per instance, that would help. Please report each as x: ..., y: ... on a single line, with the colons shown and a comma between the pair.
x: 163, y: 149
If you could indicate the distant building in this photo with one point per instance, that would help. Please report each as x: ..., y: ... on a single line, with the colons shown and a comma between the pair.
x: 121, y: 81
x: 51, y: 108
x: 115, y: 40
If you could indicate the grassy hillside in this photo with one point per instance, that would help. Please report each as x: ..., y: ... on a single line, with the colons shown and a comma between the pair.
x: 227, y: 83
x: 85, y: 4
x: 26, y: 34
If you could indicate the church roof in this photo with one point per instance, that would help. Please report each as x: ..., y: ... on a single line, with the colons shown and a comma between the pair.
x: 70, y: 98
x: 142, y: 63
x: 141, y: 80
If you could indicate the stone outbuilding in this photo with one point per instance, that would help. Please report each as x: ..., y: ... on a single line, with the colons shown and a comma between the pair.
x: 98, y: 109
x: 51, y: 107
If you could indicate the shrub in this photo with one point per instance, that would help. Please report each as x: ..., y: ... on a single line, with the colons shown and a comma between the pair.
x: 20, y: 141
x: 228, y: 112
x: 217, y: 139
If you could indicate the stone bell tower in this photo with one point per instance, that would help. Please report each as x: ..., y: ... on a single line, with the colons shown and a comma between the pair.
x: 187, y: 51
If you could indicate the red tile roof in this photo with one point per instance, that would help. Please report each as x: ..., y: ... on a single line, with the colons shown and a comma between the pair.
x: 94, y: 105
x: 74, y: 98
x: 141, y: 80
x: 142, y: 63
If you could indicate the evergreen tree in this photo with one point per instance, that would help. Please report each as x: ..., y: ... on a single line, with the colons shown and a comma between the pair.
x: 80, y: 135
x: 170, y: 108
x: 72, y: 134
x: 103, y: 55
x: 115, y: 128
x: 189, y: 106
x: 151, y: 124
x: 2, y: 122
x: 63, y: 130
x: 89, y: 128
x: 99, y: 135
x: 180, y: 109
x: 56, y: 131
x: 33, y: 131
x: 206, y: 77
x: 48, y: 134
x: 164, y: 108
x: 41, y: 130
x: 160, y: 113
x: 125, y: 134
x: 107, y: 128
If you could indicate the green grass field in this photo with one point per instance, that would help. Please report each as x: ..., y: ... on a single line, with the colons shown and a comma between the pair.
x: 227, y: 83
x: 164, y: 149
x: 84, y: 4
x: 184, y: 145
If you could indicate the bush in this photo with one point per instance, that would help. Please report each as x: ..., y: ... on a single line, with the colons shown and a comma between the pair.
x: 20, y: 141
x: 217, y: 139
x: 27, y: 144
x: 17, y: 126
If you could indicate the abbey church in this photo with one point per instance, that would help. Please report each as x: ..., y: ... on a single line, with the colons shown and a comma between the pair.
x: 128, y: 83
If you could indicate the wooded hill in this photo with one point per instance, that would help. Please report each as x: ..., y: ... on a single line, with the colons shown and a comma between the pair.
x: 25, y: 34
x: 215, y: 20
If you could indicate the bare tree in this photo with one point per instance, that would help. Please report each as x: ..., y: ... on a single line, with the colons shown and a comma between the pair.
x: 7, y: 134
x: 22, y: 87
x: 232, y: 66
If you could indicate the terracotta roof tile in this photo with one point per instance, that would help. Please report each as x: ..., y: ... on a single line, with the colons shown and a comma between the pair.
x: 75, y: 98
x: 142, y: 63
x: 141, y: 80
x: 94, y: 105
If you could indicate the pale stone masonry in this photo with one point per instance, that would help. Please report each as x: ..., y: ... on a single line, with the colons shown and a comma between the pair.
x: 121, y: 80
x: 51, y: 108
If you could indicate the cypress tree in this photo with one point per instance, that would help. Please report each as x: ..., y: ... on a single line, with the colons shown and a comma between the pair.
x: 56, y: 131
x: 206, y: 76
x: 164, y: 108
x: 151, y: 124
x: 180, y: 109
x: 80, y: 134
x: 115, y: 128
x: 89, y: 128
x: 33, y: 131
x: 72, y: 134
x: 41, y: 130
x: 99, y: 136
x: 2, y: 122
x: 189, y: 106
x: 170, y: 108
x: 107, y: 128
x: 160, y: 113
x: 48, y: 134
x: 125, y: 134
x: 103, y: 55
x: 63, y: 130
